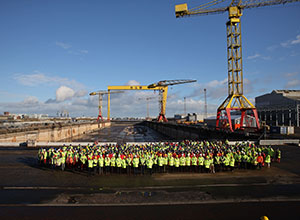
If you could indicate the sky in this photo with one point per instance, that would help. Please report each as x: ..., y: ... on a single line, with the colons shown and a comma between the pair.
x: 54, y: 53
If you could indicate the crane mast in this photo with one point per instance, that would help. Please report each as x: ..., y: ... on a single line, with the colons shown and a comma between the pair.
x: 235, y: 101
x: 101, y: 94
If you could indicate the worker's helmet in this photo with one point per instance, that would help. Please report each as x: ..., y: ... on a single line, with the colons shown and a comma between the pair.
x: 264, y: 218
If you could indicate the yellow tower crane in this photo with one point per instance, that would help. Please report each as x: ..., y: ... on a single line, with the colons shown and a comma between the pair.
x: 101, y: 93
x: 236, y: 99
x: 161, y: 86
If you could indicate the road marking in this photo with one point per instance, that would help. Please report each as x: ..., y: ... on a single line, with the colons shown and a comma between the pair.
x: 158, y: 203
x: 133, y: 188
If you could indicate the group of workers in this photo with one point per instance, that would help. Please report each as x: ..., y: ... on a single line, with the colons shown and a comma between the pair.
x: 185, y: 156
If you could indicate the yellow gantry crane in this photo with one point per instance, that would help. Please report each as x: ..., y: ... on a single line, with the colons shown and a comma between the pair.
x: 161, y: 87
x: 101, y: 93
x: 236, y: 99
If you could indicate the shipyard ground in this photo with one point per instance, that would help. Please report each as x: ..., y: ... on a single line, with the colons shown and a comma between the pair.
x: 28, y: 191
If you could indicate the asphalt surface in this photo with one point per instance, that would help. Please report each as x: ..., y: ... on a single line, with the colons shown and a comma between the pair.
x: 122, y: 133
x: 29, y: 191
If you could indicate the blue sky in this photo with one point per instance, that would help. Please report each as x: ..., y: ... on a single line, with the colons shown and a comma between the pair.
x: 53, y: 53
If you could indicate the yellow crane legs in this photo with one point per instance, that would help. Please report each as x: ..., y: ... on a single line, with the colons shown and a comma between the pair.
x: 235, y: 100
x: 163, y: 101
x: 108, y: 105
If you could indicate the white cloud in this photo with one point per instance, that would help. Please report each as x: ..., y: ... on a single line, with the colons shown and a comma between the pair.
x: 292, y: 80
x: 292, y: 83
x: 132, y: 83
x: 64, y: 93
x: 37, y: 78
x: 215, y: 89
x: 289, y: 75
x: 216, y: 83
x: 254, y: 56
x: 289, y: 43
x: 31, y: 100
x: 297, y: 40
x: 257, y: 55
x: 81, y: 93
x: 84, y: 51
x: 272, y: 48
x: 63, y: 45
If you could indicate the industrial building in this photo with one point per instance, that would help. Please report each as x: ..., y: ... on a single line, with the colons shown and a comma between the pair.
x: 279, y: 108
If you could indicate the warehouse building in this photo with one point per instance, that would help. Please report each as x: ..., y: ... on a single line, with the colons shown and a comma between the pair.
x: 279, y: 108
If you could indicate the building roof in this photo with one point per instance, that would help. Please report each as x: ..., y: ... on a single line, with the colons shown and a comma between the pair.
x: 291, y: 94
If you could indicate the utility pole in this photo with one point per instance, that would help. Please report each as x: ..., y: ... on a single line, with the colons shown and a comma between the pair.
x: 184, y: 105
x: 205, y: 104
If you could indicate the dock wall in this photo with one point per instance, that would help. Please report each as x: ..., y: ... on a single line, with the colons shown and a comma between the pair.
x: 180, y: 132
x: 54, y: 134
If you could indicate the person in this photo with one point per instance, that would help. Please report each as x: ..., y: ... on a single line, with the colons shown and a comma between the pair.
x: 182, y: 162
x: 83, y: 159
x: 201, y: 163
x: 63, y: 160
x: 226, y: 161
x: 112, y: 163
x: 231, y: 163
x: 149, y: 164
x: 177, y: 162
x: 135, y: 163
x: 107, y: 164
x: 207, y: 164
x: 165, y: 162
x: 171, y: 163
x: 95, y: 162
x: 101, y: 164
x: 45, y: 153
x: 260, y: 161
x: 90, y: 163
x: 254, y: 161
x: 160, y: 163
x: 129, y: 160
x: 119, y: 164
x: 278, y: 155
x: 194, y: 162
x: 268, y: 160
x: 142, y: 162
x: 188, y: 163
x: 244, y: 160
x: 124, y: 163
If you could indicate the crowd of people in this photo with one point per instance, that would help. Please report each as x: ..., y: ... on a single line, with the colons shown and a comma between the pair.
x: 185, y: 156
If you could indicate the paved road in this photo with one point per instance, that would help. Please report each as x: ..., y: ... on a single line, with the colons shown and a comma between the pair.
x: 29, y: 191
x: 124, y: 132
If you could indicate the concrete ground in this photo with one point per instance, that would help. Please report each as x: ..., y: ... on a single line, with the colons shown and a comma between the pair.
x: 122, y: 133
x: 29, y: 191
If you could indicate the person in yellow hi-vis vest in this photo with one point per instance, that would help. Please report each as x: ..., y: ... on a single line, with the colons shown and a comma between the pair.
x: 207, y: 164
x: 268, y: 160
x: 101, y: 164
x: 171, y: 164
x: 135, y: 163
x: 107, y: 164
x: 177, y: 163
x: 119, y: 164
x: 112, y: 163
x: 232, y: 163
x: 201, y: 163
x: 90, y: 163
x: 149, y: 163
x: 124, y: 163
